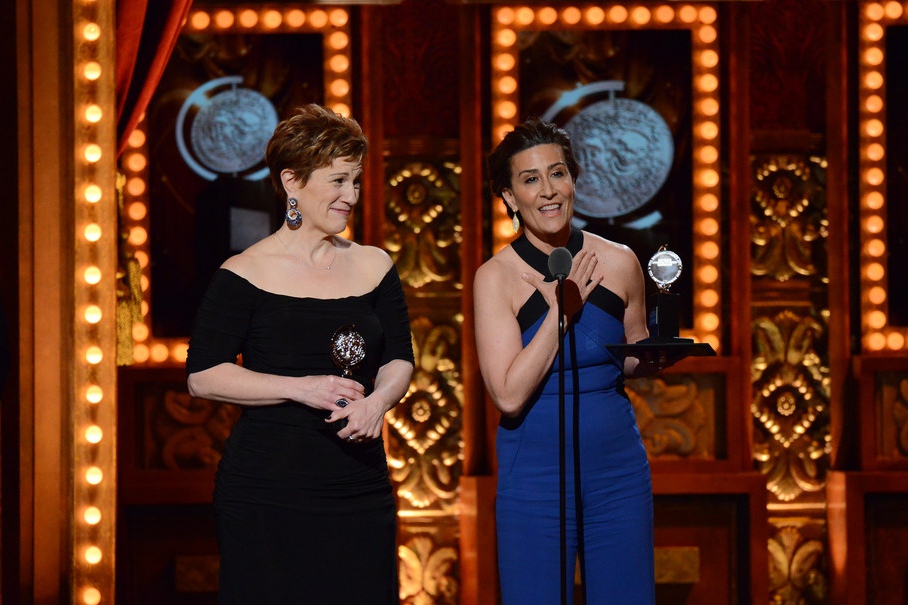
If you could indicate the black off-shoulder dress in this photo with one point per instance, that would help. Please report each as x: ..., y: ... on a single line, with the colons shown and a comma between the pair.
x: 302, y: 516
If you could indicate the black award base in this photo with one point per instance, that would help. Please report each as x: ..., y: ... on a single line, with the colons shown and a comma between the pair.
x: 662, y: 349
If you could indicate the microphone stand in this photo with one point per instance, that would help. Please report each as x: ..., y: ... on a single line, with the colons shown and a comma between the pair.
x: 562, y: 470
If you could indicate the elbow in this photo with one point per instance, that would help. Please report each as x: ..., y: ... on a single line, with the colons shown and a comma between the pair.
x: 509, y: 408
x: 192, y: 383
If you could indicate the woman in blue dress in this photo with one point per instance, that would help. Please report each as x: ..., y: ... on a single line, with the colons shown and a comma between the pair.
x: 608, y: 493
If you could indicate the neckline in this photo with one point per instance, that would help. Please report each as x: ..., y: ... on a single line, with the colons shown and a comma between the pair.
x: 539, y: 260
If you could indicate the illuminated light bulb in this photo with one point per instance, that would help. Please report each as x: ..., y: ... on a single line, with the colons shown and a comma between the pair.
x: 92, y: 70
x: 94, y: 394
x: 92, y: 515
x: 92, y: 275
x: 874, y: 12
x: 876, y: 320
x: 504, y: 16
x: 875, y: 341
x: 138, y: 236
x: 144, y: 307
x: 571, y: 15
x: 873, y: 79
x: 137, y: 211
x: 136, y: 162
x: 142, y: 257
x: 341, y: 108
x: 709, y: 202
x: 93, y: 113
x: 248, y: 18
x: 873, y: 103
x: 136, y: 187
x: 708, y: 178
x: 708, y: 83
x: 874, y: 271
x: 873, y: 128
x: 709, y: 154
x: 338, y: 40
x: 547, y: 15
x: 687, y: 14
x: 709, y: 298
x: 893, y: 10
x: 875, y: 152
x: 708, y: 14
x: 874, y: 224
x: 709, y: 321
x: 507, y: 110
x: 709, y: 250
x: 709, y: 226
x: 873, y: 56
x: 91, y: 32
x: 338, y: 17
x: 94, y: 355
x: 505, y: 61
x: 618, y: 14
x: 91, y: 596
x: 94, y: 475
x: 895, y: 341
x: 874, y: 176
x: 595, y: 15
x: 664, y: 14
x: 640, y: 15
x: 318, y: 19
x: 94, y: 434
x: 709, y: 58
x: 295, y: 18
x: 708, y: 274
x: 874, y: 32
x: 140, y: 353
x: 713, y: 341
x: 159, y: 352
x: 339, y: 64
x: 92, y: 314
x: 92, y: 153
x: 271, y: 19
x: 876, y: 247
x: 92, y: 555
x: 136, y: 139
x: 708, y: 34
x: 140, y: 332
x: 340, y: 87
x: 524, y: 16
x: 507, y: 85
x: 874, y: 200
x: 502, y: 130
x: 145, y: 283
x: 92, y: 232
x: 709, y: 107
x: 200, y: 20
x: 709, y: 130
x: 506, y: 37
x: 223, y: 19
x: 92, y: 194
x: 876, y: 295
x: 180, y: 352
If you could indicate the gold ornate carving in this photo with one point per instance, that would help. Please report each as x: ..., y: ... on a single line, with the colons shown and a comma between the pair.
x: 892, y: 403
x: 790, y: 401
x: 675, y: 415
x: 425, y: 446
x: 797, y: 562
x: 789, y: 216
x: 427, y: 572
x: 423, y: 232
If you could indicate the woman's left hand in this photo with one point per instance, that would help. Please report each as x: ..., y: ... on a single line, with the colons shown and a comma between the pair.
x: 365, y: 418
x: 577, y: 287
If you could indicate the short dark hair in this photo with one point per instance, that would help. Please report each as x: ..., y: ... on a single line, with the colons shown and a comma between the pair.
x: 310, y: 139
x: 529, y: 134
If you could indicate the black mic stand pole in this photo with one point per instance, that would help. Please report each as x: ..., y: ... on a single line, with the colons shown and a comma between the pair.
x: 562, y: 470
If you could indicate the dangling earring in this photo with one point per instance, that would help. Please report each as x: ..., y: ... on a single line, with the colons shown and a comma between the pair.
x: 515, y: 223
x: 292, y: 216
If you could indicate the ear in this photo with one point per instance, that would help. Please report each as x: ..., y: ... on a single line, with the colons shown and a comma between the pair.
x: 288, y: 179
x: 508, y: 196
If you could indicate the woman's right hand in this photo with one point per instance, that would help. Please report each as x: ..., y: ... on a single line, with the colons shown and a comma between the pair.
x: 329, y: 392
x: 575, y: 295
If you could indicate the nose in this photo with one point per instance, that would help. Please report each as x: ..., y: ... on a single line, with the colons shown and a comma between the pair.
x: 350, y: 193
x: 548, y: 190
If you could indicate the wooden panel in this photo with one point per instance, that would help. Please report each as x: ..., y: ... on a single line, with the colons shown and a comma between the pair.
x: 883, y: 384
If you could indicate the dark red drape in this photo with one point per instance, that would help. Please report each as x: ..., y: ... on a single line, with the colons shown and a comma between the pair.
x: 145, y: 38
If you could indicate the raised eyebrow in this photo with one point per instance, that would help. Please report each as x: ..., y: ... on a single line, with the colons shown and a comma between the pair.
x: 549, y: 167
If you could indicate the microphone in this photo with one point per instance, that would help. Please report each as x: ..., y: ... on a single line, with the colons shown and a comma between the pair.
x: 560, y: 261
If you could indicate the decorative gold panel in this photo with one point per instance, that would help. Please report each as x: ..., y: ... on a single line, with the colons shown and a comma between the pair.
x: 790, y: 402
x: 788, y: 220
x: 428, y: 567
x: 797, y: 561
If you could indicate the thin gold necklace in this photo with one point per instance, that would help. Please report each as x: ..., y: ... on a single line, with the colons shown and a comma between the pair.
x: 301, y: 261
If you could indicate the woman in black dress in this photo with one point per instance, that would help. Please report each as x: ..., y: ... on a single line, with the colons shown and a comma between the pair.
x: 304, y: 506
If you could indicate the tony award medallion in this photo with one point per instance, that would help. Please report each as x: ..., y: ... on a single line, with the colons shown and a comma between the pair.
x: 348, y: 349
x: 664, y: 268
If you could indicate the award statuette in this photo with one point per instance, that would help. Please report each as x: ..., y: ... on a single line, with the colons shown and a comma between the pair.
x: 663, y: 323
x: 348, y: 349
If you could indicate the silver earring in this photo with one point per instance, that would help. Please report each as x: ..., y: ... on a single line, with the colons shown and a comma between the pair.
x: 292, y: 216
x: 515, y: 223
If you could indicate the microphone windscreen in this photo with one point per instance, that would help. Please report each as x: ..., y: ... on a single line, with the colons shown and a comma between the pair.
x: 560, y: 261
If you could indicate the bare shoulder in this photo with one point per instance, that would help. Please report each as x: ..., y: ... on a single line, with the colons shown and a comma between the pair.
x: 498, y: 270
x: 250, y: 263
x: 370, y: 257
x: 611, y: 252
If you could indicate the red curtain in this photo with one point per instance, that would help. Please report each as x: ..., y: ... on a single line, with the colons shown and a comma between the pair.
x: 145, y: 39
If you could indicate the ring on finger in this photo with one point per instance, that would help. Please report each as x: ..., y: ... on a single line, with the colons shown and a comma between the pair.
x: 341, y: 403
